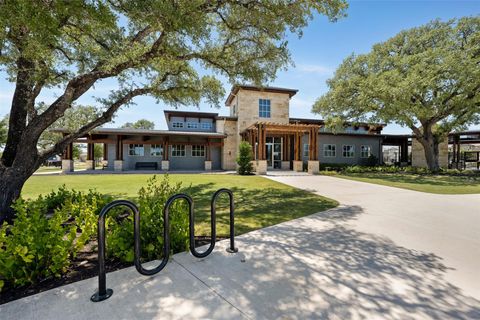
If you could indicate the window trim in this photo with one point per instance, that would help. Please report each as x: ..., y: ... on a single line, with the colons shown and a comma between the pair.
x: 334, y: 150
x: 157, y: 146
x: 174, y: 146
x: 264, y: 113
x: 135, y: 145
x: 203, y: 151
x: 206, y: 125
x: 369, y: 151
x: 353, y: 151
x: 192, y: 125
x: 178, y: 125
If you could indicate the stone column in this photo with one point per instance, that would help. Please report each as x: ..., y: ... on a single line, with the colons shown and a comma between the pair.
x: 313, y: 167
x: 90, y: 164
x: 297, y: 166
x: 165, y: 165
x: 261, y: 167
x: 208, y: 165
x: 285, y: 165
x: 67, y: 165
x: 118, y: 165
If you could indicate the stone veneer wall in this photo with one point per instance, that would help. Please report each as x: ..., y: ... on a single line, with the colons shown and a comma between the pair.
x: 418, y: 154
x: 230, y: 143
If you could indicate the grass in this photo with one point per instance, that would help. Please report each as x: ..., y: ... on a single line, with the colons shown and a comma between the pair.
x: 259, y: 202
x: 440, y: 184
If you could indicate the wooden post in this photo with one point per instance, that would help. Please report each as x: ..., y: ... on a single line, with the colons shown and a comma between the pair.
x: 119, y: 148
x: 105, y: 151
x: 209, y: 151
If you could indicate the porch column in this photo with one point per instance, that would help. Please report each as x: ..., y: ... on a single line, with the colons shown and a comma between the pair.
x: 118, y: 163
x: 208, y: 159
x: 165, y: 165
x: 297, y: 162
x: 90, y: 156
x: 313, y: 164
x: 404, y: 151
x: 285, y: 152
x: 261, y: 165
x: 67, y: 159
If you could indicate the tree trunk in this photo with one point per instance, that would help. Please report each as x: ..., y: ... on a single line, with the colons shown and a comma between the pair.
x: 430, y: 147
x: 11, y: 184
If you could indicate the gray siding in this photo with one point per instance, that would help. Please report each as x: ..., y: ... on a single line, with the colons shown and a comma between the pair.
x: 339, y: 141
x: 185, y: 122
x: 129, y: 161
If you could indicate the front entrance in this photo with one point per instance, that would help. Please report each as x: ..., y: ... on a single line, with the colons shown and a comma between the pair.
x: 274, y: 152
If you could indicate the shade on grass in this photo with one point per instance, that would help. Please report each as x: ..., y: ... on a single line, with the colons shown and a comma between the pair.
x: 259, y: 202
x: 441, y: 184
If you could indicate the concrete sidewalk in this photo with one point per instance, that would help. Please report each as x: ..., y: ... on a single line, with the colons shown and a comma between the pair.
x: 324, y: 266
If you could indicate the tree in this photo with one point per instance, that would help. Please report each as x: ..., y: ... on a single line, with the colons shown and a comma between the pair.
x: 244, y: 159
x: 97, y: 152
x: 425, y: 78
x: 152, y: 50
x: 76, y: 151
x: 140, y: 124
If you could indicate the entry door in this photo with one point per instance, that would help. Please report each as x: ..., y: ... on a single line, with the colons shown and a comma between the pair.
x: 269, y: 146
x: 274, y: 152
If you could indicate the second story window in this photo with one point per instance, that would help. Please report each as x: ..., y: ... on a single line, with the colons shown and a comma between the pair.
x: 206, y: 125
x: 136, y: 150
x: 264, y: 108
x: 177, y: 124
x: 192, y: 125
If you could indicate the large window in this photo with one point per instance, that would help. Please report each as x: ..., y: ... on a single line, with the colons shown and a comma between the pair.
x: 177, y: 124
x: 264, y: 108
x: 305, y: 150
x: 136, y: 150
x: 329, y: 150
x: 192, y: 125
x: 365, y: 151
x: 348, y: 151
x: 206, y: 125
x: 178, y: 150
x: 156, y: 150
x: 198, y: 151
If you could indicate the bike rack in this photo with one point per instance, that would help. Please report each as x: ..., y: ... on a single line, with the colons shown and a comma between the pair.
x: 103, y: 292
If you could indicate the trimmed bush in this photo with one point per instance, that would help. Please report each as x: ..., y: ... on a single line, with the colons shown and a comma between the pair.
x: 244, y: 158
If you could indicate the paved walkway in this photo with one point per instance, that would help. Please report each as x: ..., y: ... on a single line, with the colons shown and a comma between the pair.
x: 384, y: 253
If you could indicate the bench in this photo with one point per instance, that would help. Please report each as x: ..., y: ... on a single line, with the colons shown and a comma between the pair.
x: 146, y: 165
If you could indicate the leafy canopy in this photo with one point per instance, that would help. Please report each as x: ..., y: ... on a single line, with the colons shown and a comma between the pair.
x: 140, y: 124
x: 426, y: 78
x: 3, y: 132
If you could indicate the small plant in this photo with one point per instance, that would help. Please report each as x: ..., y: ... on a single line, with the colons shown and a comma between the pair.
x: 244, y: 159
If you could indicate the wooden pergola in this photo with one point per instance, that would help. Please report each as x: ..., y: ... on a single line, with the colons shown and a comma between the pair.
x: 292, y: 134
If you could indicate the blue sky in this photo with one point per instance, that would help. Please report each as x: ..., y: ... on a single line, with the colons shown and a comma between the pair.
x: 322, y: 48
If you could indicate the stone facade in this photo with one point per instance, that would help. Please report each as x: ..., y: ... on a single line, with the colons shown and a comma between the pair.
x: 208, y: 165
x: 418, y: 154
x: 118, y: 165
x: 165, y: 165
x: 298, y: 166
x: 261, y: 167
x: 230, y: 143
x: 67, y: 166
x: 313, y: 167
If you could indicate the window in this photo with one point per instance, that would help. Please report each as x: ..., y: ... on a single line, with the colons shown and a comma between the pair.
x: 156, y: 150
x: 348, y: 151
x: 206, y: 125
x: 198, y: 151
x: 177, y: 124
x: 192, y: 125
x: 305, y: 150
x: 329, y: 150
x: 365, y: 151
x: 264, y: 108
x: 178, y: 150
x: 136, y: 150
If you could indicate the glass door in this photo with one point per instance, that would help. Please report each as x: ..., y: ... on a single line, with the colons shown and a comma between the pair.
x: 269, y: 151
x: 274, y: 152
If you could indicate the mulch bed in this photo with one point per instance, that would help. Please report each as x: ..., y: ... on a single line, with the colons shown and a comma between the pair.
x: 84, y: 266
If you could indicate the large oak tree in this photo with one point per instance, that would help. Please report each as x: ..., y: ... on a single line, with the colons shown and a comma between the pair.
x: 150, y: 47
x: 425, y: 78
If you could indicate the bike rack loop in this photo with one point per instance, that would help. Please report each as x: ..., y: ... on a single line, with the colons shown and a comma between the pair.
x: 103, y: 293
x: 213, y: 205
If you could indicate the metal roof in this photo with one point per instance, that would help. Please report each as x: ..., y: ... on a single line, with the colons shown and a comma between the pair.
x: 143, y: 132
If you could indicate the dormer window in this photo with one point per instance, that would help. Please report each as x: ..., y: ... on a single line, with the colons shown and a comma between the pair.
x: 264, y: 108
x: 207, y: 125
x: 192, y: 125
x: 177, y: 124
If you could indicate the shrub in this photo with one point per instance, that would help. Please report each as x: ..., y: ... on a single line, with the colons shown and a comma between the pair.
x: 244, y: 158
x: 40, y: 244
x: 151, y: 201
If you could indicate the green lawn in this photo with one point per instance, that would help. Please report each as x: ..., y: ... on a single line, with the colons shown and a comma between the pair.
x: 259, y: 202
x: 441, y: 184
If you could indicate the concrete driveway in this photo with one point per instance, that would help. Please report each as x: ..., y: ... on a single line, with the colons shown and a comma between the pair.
x: 385, y: 253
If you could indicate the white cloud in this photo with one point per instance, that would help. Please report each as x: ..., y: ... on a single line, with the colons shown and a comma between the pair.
x: 301, y: 103
x: 315, y: 68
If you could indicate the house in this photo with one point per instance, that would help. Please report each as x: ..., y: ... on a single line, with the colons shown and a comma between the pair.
x: 207, y: 141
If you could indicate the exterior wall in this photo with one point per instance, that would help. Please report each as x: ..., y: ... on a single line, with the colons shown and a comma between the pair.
x: 247, y: 106
x: 129, y: 161
x: 230, y: 143
x: 418, y: 154
x: 340, y: 140
x: 186, y: 120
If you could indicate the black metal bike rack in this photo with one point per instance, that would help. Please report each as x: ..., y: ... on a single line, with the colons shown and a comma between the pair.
x: 103, y: 292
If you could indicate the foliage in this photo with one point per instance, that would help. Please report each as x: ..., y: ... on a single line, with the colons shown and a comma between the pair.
x: 151, y: 200
x: 97, y: 151
x: 46, y: 234
x: 76, y: 151
x: 3, y: 131
x: 417, y: 79
x: 140, y: 124
x: 244, y: 158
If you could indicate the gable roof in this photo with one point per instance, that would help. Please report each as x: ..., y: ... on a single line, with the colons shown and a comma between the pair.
x: 236, y: 88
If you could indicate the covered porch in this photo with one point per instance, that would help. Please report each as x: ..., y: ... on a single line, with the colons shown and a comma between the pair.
x: 278, y: 146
